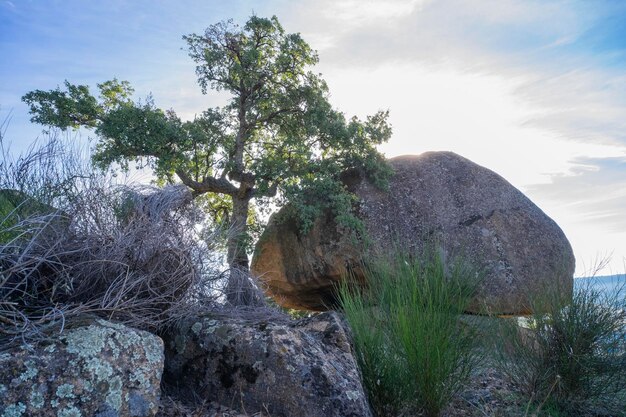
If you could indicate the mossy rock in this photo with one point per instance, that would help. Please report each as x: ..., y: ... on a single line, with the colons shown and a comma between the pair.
x: 22, y: 204
x: 16, y: 206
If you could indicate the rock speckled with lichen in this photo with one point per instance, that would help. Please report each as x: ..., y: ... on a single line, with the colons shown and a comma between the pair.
x: 96, y: 370
x: 436, y: 197
x: 286, y: 368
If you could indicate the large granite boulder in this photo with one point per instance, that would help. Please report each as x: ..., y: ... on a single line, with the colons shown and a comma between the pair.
x: 436, y: 197
x: 279, y: 367
x: 96, y: 370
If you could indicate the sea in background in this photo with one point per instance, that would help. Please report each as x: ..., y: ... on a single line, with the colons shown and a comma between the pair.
x: 608, y: 284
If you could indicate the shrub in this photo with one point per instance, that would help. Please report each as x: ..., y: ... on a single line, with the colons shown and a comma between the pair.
x: 571, y: 358
x: 412, y: 347
x: 73, y: 241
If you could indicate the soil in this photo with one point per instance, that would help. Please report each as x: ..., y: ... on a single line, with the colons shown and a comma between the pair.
x: 488, y: 393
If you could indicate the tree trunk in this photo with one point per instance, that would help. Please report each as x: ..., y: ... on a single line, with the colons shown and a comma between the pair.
x: 240, y: 289
x: 237, y: 256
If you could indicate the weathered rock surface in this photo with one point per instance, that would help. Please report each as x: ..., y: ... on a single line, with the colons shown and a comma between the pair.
x: 100, y: 370
x: 434, y: 197
x: 281, y: 368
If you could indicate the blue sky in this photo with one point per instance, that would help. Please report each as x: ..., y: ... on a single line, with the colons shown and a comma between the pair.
x: 535, y: 90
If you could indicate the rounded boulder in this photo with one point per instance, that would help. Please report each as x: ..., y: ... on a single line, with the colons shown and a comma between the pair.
x: 470, y: 211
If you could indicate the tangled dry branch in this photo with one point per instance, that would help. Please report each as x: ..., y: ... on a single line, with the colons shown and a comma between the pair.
x: 73, y: 242
x: 136, y: 256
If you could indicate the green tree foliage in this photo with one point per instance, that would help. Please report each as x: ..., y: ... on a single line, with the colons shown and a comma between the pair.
x: 74, y: 107
x: 278, y: 136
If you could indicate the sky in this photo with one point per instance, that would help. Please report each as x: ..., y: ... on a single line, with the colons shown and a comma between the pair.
x: 533, y: 90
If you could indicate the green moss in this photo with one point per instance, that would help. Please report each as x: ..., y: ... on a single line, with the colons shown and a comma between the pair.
x: 16, y: 205
x: 14, y: 410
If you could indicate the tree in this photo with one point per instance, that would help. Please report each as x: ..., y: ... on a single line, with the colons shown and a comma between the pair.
x: 278, y: 136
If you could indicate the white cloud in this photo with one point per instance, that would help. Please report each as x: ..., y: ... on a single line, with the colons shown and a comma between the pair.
x: 356, y: 13
x: 585, y: 105
x: 498, y: 81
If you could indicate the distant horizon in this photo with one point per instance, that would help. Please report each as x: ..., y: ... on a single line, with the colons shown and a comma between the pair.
x: 533, y: 90
x: 622, y: 275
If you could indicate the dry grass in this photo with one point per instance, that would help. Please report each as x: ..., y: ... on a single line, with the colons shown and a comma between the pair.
x: 171, y: 407
x: 72, y: 241
x: 144, y: 267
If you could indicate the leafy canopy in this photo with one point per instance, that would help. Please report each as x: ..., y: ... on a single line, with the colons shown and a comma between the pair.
x: 278, y: 136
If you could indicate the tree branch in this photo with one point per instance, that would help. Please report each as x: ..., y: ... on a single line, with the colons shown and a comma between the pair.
x: 265, y: 120
x: 208, y: 184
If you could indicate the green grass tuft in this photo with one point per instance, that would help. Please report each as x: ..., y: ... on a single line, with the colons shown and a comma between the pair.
x: 571, y: 358
x: 414, y: 351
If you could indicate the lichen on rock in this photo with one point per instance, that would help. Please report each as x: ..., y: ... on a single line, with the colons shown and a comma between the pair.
x: 281, y: 367
x: 435, y: 198
x: 97, y: 369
